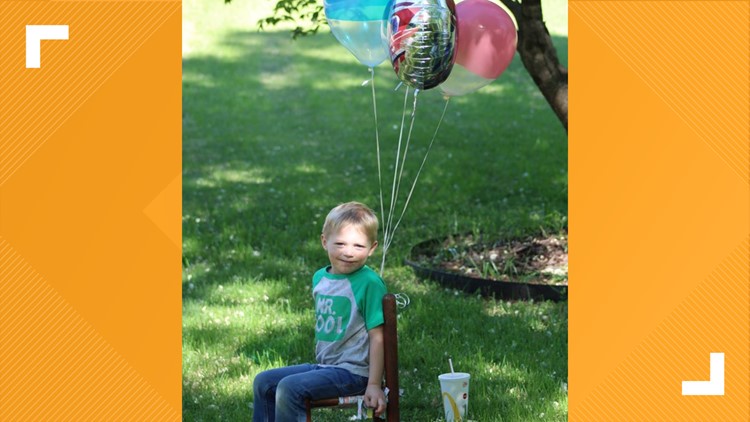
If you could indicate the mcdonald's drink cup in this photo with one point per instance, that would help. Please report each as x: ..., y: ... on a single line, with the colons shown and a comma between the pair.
x: 455, y: 389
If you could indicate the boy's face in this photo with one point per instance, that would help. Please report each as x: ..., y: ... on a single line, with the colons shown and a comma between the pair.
x: 348, y: 249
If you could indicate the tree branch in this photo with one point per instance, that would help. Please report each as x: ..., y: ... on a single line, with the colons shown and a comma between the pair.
x: 539, y: 55
x: 535, y: 45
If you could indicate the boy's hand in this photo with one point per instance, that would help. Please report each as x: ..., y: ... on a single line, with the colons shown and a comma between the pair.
x: 375, y: 399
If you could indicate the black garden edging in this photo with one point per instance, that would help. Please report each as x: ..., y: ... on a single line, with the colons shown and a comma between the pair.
x: 507, y: 290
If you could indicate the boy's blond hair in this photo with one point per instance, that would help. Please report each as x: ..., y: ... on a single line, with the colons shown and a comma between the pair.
x: 354, y: 213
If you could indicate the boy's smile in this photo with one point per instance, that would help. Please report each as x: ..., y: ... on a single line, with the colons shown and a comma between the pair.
x: 348, y: 249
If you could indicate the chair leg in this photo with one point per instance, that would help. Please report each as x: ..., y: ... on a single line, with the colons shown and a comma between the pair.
x: 308, y: 410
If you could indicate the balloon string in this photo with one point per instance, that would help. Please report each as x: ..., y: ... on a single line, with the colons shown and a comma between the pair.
x: 377, y: 145
x: 403, y: 162
x: 408, y: 141
x: 424, y: 160
x: 386, y: 236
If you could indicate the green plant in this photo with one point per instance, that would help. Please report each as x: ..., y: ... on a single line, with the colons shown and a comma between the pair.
x: 509, y: 267
x: 275, y: 133
x: 306, y: 15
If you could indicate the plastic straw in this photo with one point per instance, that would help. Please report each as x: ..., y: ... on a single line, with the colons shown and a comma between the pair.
x: 450, y: 362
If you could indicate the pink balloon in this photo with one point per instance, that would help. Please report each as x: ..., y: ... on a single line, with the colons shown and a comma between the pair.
x: 486, y: 38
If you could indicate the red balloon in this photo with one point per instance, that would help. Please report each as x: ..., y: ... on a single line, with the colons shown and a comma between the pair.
x: 485, y: 47
x: 487, y: 38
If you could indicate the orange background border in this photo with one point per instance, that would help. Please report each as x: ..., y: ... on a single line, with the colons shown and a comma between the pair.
x: 90, y: 210
x: 90, y: 206
x: 658, y: 167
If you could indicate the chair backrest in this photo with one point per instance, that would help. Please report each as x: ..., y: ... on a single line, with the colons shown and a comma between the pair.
x: 390, y: 346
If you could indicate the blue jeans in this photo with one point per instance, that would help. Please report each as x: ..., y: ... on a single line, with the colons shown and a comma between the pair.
x: 280, y: 393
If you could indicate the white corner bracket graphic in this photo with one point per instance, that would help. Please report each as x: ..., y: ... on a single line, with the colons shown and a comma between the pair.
x: 714, y: 386
x: 34, y: 36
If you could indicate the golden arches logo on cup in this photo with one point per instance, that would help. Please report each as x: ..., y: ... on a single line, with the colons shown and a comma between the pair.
x: 455, y: 392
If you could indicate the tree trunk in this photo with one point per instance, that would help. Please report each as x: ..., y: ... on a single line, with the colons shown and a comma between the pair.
x: 539, y: 56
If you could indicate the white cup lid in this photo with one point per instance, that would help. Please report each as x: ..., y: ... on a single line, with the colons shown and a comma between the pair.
x: 453, y: 376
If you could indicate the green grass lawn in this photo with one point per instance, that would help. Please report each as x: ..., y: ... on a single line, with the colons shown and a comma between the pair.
x: 275, y: 133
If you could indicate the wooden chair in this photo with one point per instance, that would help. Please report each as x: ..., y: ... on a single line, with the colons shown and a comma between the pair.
x: 390, y: 343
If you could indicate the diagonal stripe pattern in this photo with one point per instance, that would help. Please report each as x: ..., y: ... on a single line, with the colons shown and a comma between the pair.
x: 674, y: 173
x: 647, y: 385
x: 57, y: 359
x: 672, y: 63
x: 37, y: 102
x: 54, y: 365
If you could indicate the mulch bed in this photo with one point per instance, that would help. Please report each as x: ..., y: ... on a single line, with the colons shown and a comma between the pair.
x: 540, y: 259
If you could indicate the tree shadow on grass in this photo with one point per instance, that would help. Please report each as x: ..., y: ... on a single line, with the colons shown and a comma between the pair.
x: 222, y: 389
x: 516, y: 353
x: 277, y: 132
x: 268, y: 146
x: 511, y: 364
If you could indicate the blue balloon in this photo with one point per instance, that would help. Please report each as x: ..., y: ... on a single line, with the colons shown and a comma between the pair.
x: 358, y: 26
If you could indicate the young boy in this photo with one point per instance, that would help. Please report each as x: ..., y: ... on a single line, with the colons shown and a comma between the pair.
x: 348, y: 326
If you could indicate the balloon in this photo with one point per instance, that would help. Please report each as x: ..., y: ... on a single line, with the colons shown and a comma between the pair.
x: 421, y: 37
x: 462, y: 82
x: 484, y: 49
x: 357, y: 25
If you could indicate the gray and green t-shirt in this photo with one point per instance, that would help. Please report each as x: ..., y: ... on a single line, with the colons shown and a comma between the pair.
x: 346, y: 307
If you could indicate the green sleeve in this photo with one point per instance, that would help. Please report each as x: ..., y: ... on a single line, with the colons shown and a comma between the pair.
x: 317, y: 276
x: 373, y: 302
